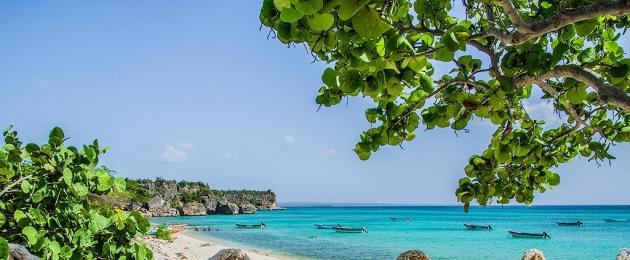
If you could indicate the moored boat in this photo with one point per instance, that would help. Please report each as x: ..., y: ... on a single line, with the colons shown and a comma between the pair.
x: 577, y: 223
x: 528, y: 235
x: 351, y: 229
x: 400, y: 219
x: 616, y: 220
x: 477, y: 227
x: 257, y: 226
x: 325, y: 226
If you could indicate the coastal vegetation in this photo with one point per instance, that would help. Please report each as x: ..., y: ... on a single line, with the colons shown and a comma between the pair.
x: 387, y: 51
x: 161, y: 197
x: 45, y: 202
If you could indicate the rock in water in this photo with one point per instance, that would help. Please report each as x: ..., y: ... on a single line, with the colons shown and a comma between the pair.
x: 413, y: 255
x: 624, y: 254
x: 248, y: 208
x: 533, y: 254
x: 230, y: 254
x: 226, y: 208
x: 194, y: 209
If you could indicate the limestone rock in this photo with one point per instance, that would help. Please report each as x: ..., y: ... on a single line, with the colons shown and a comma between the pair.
x: 624, y: 254
x: 413, y: 255
x: 194, y: 209
x: 230, y: 254
x: 210, y: 202
x: 533, y: 254
x: 19, y: 252
x: 226, y: 208
x: 248, y: 208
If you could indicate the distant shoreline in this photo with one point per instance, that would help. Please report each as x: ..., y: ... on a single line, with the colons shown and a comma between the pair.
x: 359, y: 205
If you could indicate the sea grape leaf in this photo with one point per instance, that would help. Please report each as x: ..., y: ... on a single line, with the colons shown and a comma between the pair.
x: 290, y: 15
x: 369, y: 24
x: 321, y: 22
x: 350, y: 7
x: 309, y: 7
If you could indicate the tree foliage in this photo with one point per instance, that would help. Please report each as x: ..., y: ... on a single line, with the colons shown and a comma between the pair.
x: 44, y: 202
x: 385, y: 50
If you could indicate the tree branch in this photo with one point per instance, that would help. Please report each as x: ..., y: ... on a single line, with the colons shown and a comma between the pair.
x: 527, y: 31
x: 7, y: 188
x: 608, y: 93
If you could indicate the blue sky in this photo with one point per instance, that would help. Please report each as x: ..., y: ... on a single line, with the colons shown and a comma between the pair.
x: 193, y: 90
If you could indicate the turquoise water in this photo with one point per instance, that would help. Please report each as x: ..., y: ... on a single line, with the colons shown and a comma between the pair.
x: 435, y: 230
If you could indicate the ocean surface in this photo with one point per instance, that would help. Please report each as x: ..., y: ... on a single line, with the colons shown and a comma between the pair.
x: 436, y: 230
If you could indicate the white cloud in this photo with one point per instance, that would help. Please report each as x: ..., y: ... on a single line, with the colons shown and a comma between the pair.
x: 330, y: 152
x: 227, y: 156
x: 543, y: 111
x: 289, y: 139
x: 176, y: 153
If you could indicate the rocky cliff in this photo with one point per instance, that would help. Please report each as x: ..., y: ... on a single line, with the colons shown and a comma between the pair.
x: 161, y: 198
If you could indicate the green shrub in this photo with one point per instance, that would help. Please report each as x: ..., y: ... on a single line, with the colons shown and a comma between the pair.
x: 44, y: 202
x: 163, y: 232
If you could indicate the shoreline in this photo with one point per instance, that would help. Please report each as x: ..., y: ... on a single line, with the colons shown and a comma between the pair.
x: 187, y: 246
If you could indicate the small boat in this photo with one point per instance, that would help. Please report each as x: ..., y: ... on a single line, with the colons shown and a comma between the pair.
x: 577, y: 223
x: 400, y: 219
x: 616, y: 220
x: 324, y: 226
x: 258, y: 226
x: 528, y: 235
x: 351, y: 229
x: 476, y: 227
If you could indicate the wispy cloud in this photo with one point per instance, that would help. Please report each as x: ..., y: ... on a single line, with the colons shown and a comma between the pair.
x: 289, y: 139
x: 176, y: 153
x: 227, y: 156
x: 330, y: 152
x: 543, y: 110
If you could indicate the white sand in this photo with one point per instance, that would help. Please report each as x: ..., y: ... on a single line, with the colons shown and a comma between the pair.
x: 187, y: 247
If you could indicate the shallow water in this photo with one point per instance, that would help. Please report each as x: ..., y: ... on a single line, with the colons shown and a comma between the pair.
x: 433, y: 229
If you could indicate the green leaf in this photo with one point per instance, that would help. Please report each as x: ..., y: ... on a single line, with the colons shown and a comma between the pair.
x: 31, y: 235
x: 576, y: 94
x: 120, y: 184
x: 98, y: 222
x: 350, y: 7
x: 4, y: 248
x: 80, y: 189
x: 104, y: 182
x: 309, y: 7
x: 553, y: 178
x: 330, y: 78
x: 620, y: 71
x: 18, y: 215
x: 3, y: 219
x: 321, y: 22
x: 369, y: 24
x: 444, y: 54
x: 450, y: 41
x: 38, y: 195
x: 67, y: 176
x: 585, y: 28
x: 26, y: 186
x: 290, y: 15
x: 558, y: 52
x: 281, y: 4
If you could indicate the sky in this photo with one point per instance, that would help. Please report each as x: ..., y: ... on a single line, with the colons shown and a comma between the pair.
x: 192, y: 90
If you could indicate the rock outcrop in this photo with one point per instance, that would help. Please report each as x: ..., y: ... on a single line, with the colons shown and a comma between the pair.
x: 194, y: 209
x: 230, y: 254
x: 165, y: 198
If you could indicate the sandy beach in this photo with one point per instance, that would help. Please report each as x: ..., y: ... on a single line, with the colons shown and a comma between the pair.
x: 184, y: 246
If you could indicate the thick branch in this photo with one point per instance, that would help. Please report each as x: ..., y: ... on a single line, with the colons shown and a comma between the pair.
x: 527, y: 31
x: 608, y: 93
x: 19, y: 181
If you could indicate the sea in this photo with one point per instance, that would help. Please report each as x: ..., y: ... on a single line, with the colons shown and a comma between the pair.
x: 436, y: 230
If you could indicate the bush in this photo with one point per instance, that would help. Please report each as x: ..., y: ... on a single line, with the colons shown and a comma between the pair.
x: 163, y: 232
x: 44, y: 202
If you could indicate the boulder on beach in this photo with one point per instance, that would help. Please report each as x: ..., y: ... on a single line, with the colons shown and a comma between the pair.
x: 624, y: 254
x: 230, y: 254
x: 533, y: 254
x: 413, y: 255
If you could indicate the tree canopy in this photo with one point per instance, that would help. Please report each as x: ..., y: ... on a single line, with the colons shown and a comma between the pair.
x: 45, y: 205
x: 386, y: 50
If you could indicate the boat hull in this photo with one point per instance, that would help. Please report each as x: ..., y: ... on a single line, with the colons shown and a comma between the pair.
x: 578, y: 223
x: 478, y: 227
x: 529, y: 235
x: 610, y: 220
x: 256, y: 226
x: 350, y: 230
x: 322, y: 226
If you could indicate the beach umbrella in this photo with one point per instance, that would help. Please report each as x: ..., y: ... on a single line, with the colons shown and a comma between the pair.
x: 533, y: 254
